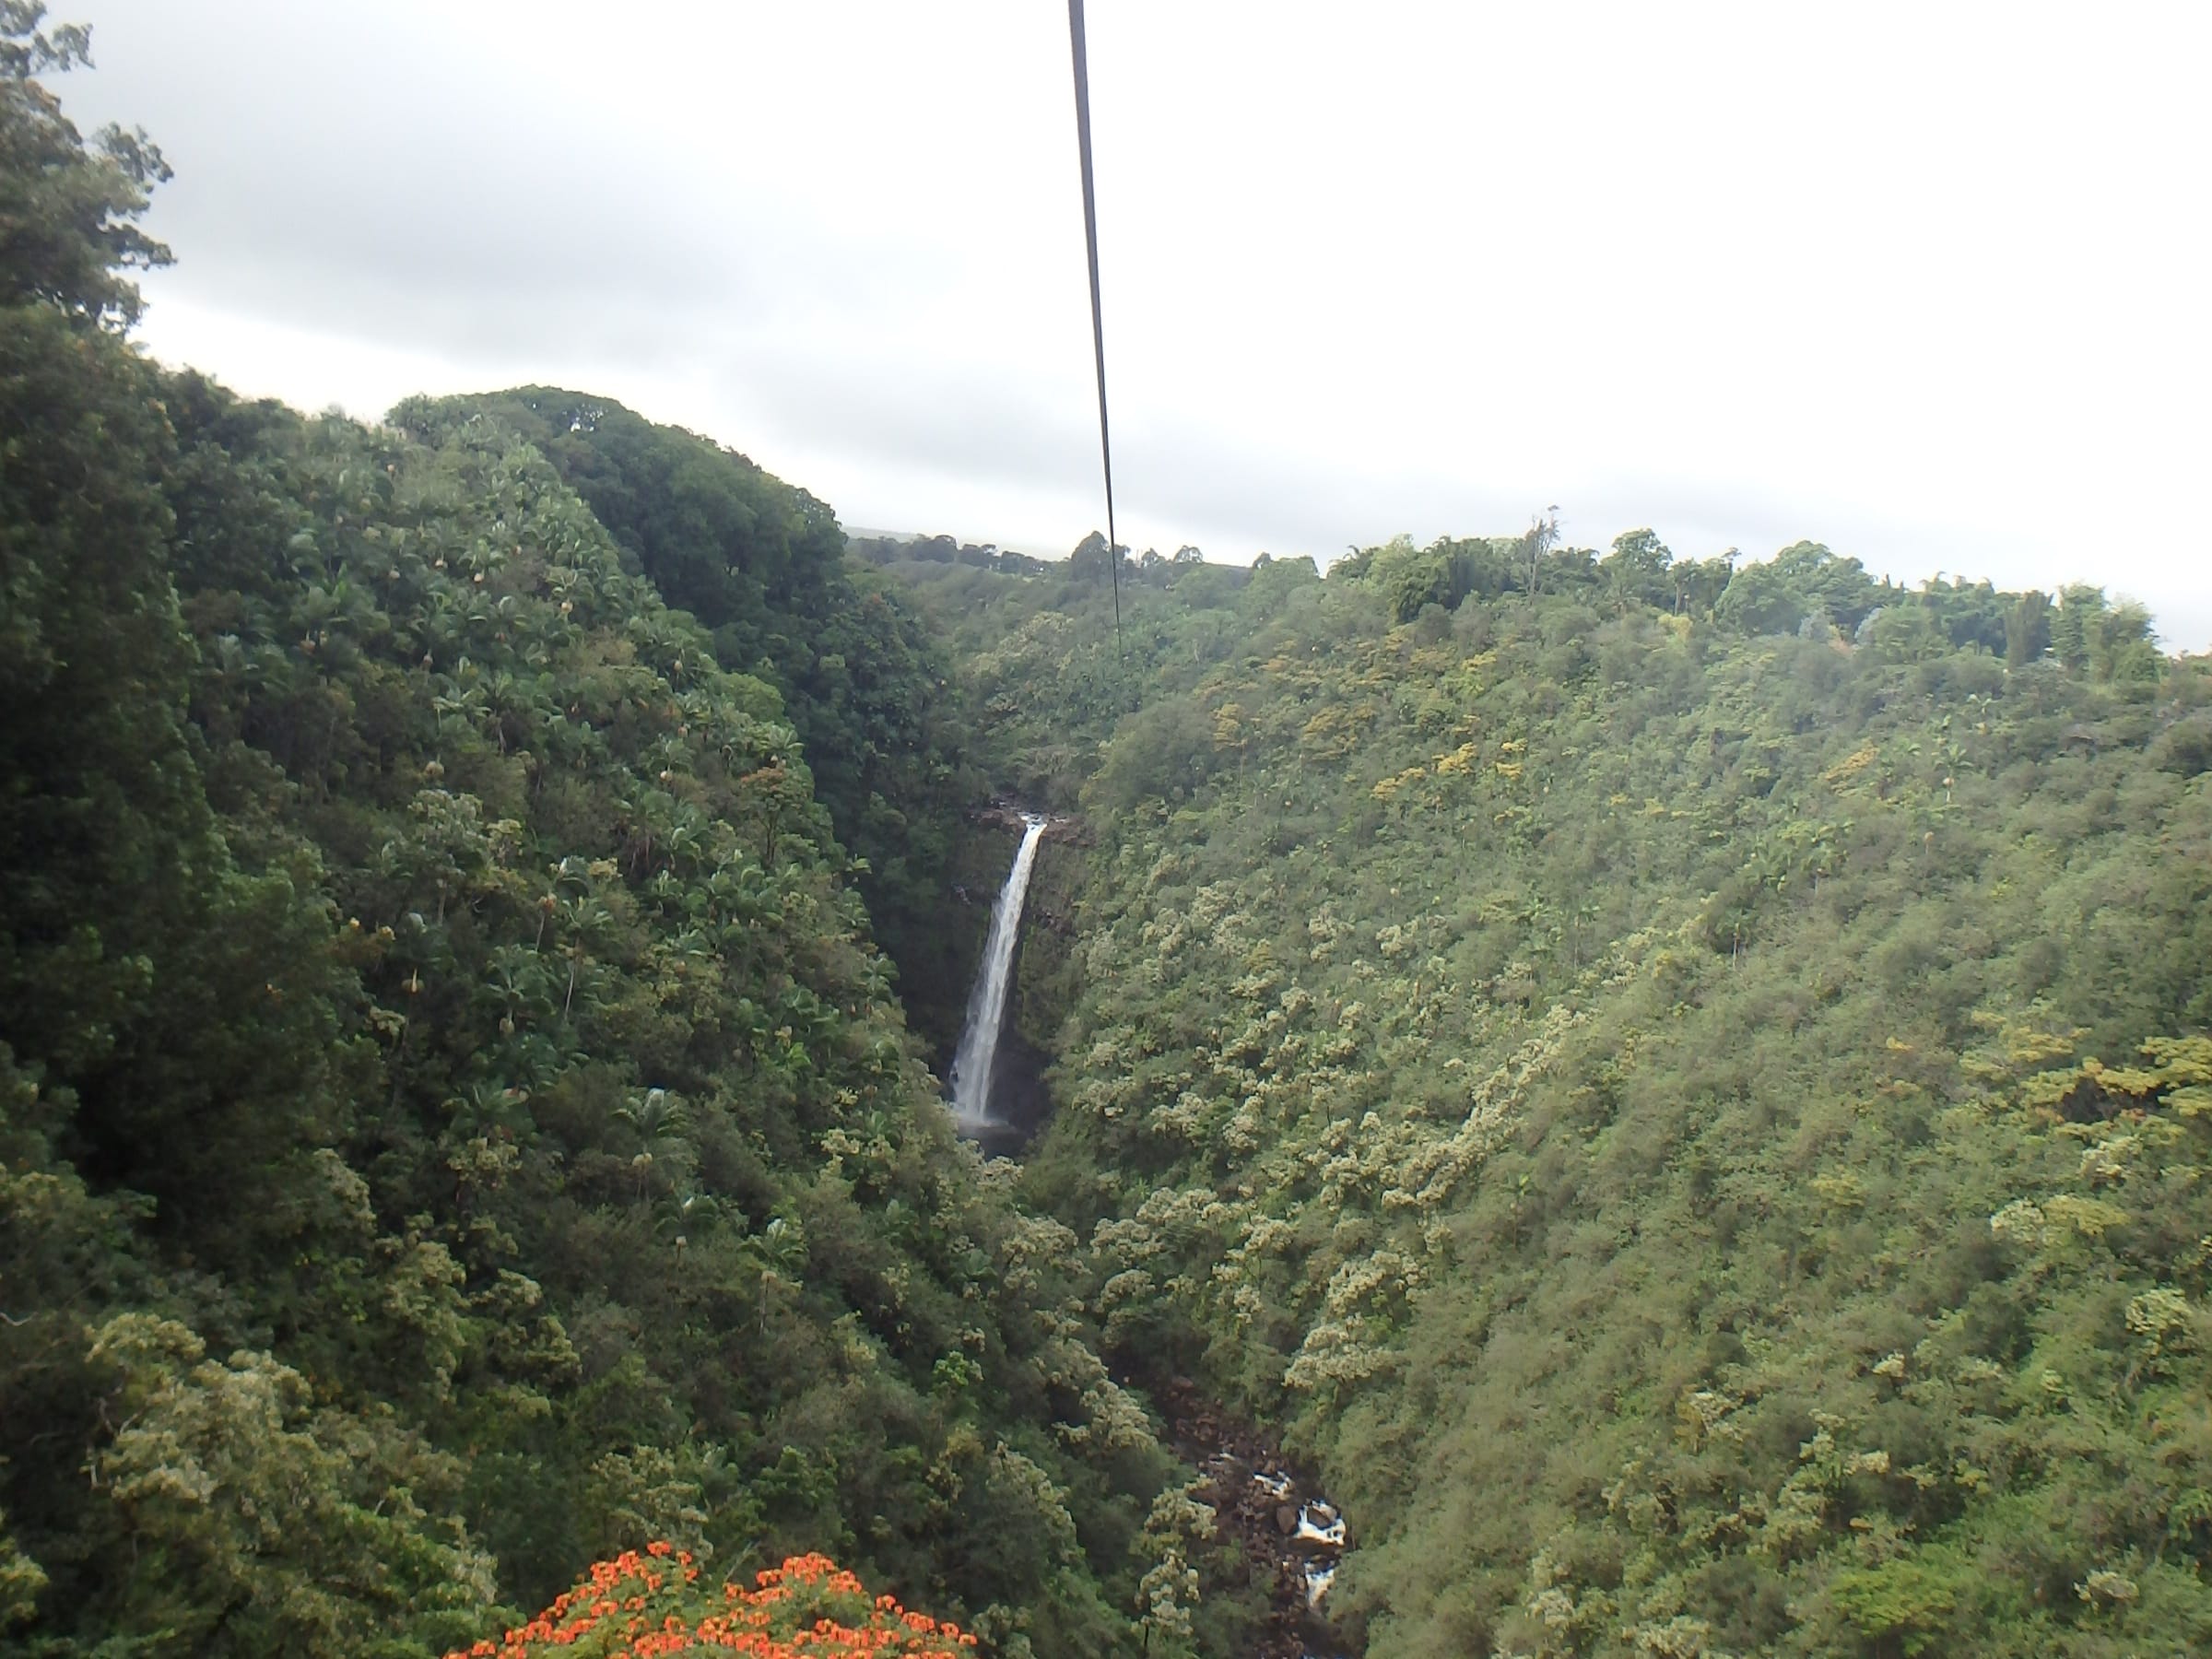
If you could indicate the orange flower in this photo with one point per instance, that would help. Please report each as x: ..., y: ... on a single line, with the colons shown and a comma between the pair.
x: 796, y: 1611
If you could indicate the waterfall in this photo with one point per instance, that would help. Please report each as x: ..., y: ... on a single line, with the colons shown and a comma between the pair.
x: 987, y: 1002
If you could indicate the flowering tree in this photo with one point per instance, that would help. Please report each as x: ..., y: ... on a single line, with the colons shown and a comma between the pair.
x: 642, y: 1605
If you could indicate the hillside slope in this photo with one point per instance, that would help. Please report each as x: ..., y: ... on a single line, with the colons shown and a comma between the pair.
x: 761, y: 566
x: 453, y: 1121
x: 1686, y: 1090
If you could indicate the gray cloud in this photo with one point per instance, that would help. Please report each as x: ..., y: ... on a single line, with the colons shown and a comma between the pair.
x: 1361, y: 277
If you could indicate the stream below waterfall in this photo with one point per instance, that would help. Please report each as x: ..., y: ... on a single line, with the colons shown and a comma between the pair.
x: 1292, y: 1538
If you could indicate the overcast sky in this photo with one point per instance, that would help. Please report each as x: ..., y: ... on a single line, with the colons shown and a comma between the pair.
x: 1926, y: 282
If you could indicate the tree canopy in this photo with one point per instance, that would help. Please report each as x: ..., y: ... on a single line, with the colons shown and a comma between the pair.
x: 1683, y: 1092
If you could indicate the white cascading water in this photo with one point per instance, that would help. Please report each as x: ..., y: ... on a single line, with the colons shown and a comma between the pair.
x: 987, y: 1002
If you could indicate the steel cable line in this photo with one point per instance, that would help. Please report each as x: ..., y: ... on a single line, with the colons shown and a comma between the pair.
x: 1097, y: 325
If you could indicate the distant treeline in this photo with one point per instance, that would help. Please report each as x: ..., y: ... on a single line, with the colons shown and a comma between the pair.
x: 1086, y: 562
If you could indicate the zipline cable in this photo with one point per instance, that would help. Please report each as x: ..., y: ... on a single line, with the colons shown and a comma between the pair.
x: 1097, y: 325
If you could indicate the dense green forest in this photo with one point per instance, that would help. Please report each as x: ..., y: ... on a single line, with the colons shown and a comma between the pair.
x: 456, y: 1120
x: 1685, y: 1089
x: 1680, y: 1088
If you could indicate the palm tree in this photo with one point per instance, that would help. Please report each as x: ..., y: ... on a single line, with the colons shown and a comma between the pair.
x: 777, y: 1252
x: 680, y: 1217
x: 662, y: 1128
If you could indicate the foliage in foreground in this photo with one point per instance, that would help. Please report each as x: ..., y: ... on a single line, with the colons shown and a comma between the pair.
x: 648, y: 1604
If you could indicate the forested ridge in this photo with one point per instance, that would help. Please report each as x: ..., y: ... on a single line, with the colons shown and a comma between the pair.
x: 455, y: 1122
x: 1679, y: 1089
x: 1683, y: 1089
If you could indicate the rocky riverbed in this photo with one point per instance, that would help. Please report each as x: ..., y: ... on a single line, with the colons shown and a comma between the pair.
x: 1292, y: 1537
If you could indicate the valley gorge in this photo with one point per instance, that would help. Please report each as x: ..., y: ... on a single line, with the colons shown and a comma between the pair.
x: 1526, y: 1100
